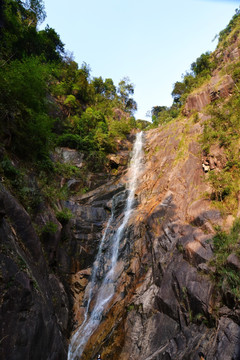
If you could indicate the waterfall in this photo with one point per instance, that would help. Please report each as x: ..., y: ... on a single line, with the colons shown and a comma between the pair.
x: 106, y: 290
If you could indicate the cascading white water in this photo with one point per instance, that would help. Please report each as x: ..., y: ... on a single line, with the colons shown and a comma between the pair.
x: 106, y: 290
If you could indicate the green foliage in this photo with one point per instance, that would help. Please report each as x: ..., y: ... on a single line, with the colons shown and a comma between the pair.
x: 225, y: 32
x: 28, y: 195
x: 156, y: 110
x: 226, y: 278
x: 37, y: 9
x: 201, y: 70
x: 92, y: 125
x: 162, y: 115
x: 49, y: 228
x: 8, y: 169
x: 47, y: 100
x: 221, y: 183
x: 203, y: 65
x: 182, y: 89
x: 72, y: 141
x: 64, y: 216
x: 120, y: 128
x: 125, y: 90
x: 19, y: 36
x: 23, y: 107
x: 105, y: 88
x: 68, y: 171
x: 130, y: 307
x: 142, y: 124
x: 222, y: 128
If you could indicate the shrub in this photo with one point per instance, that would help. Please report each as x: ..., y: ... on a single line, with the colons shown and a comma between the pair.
x: 64, y: 216
x: 23, y: 86
x: 224, y: 244
x: 49, y: 228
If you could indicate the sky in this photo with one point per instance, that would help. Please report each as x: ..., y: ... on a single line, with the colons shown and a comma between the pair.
x: 152, y: 42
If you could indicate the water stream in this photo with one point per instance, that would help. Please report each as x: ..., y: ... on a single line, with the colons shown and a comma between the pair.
x: 106, y: 290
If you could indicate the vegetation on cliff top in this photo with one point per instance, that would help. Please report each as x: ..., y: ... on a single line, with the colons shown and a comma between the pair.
x: 223, y: 122
x: 47, y: 100
x: 200, y: 72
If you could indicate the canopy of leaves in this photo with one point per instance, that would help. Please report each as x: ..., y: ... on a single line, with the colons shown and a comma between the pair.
x: 46, y: 99
x: 19, y: 36
x: 200, y: 70
x: 25, y: 124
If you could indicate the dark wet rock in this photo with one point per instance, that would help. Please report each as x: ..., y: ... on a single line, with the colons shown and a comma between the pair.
x: 227, y: 341
x: 74, y: 184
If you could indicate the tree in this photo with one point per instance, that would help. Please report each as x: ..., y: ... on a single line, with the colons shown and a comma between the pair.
x: 202, y: 64
x: 25, y: 124
x: 106, y: 88
x: 182, y: 88
x: 110, y: 89
x: 37, y: 8
x: 125, y: 89
x: 19, y: 36
x: 178, y: 90
x: 98, y: 85
x: 157, y: 109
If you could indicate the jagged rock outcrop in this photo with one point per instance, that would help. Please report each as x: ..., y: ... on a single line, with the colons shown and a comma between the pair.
x: 221, y: 84
x: 217, y: 87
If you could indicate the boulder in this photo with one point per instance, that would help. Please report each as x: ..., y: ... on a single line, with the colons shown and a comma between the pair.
x: 68, y: 156
x: 233, y: 261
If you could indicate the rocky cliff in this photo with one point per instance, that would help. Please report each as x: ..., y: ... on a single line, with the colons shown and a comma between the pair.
x: 165, y: 305
x: 34, y: 304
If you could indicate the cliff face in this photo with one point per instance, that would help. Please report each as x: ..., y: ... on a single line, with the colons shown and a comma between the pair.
x: 165, y: 303
x: 34, y: 304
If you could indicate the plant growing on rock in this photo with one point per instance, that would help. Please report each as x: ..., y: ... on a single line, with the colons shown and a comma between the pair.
x: 226, y: 276
x: 63, y: 216
x: 49, y: 228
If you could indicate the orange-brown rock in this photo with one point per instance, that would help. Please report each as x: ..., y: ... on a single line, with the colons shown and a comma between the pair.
x: 218, y: 87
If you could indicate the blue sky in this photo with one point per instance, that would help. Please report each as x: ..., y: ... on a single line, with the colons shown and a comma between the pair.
x: 153, y: 42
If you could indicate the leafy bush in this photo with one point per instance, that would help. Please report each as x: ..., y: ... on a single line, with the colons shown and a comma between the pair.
x: 232, y: 23
x: 64, y: 216
x: 24, y: 109
x: 9, y: 170
x: 222, y: 129
x: 49, y: 228
x: 226, y: 278
x: 203, y: 65
x: 73, y: 141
